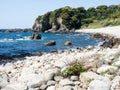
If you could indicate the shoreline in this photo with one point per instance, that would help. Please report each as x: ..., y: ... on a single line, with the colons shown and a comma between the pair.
x: 113, y: 30
x: 41, y: 72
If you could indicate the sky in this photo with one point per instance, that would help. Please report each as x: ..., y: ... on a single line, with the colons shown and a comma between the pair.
x: 22, y: 13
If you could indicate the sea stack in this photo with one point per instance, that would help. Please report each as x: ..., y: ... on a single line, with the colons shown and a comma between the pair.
x: 35, y: 36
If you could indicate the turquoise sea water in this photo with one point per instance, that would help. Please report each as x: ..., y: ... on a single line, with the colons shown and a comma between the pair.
x: 13, y: 43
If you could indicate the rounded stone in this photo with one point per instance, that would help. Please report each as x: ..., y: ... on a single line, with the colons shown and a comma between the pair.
x: 74, y: 78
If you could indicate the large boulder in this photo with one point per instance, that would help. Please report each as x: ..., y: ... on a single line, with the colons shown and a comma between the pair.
x: 36, y: 36
x: 50, y: 43
x: 99, y: 85
x: 29, y: 77
x: 67, y: 43
x: 87, y: 77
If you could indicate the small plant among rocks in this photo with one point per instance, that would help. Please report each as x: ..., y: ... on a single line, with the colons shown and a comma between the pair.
x: 74, y: 69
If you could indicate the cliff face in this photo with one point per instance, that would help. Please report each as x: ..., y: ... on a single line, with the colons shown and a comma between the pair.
x: 37, y: 27
x: 47, y: 27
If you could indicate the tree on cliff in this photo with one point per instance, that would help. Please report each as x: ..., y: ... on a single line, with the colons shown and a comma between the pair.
x: 75, y: 18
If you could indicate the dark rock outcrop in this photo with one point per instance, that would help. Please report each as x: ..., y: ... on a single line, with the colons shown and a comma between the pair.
x: 98, y: 35
x: 112, y: 42
x: 67, y: 43
x: 57, y: 26
x: 50, y: 43
x: 35, y: 36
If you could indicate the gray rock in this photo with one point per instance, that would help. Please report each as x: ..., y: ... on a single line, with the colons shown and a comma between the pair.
x: 49, y: 75
x: 43, y: 87
x: 34, y: 89
x: 8, y: 67
x: 58, y: 78
x: 51, y: 88
x: 32, y: 80
x: 74, y: 78
x: 99, y: 85
x: 15, y: 86
x: 66, y: 82
x: 49, y: 83
x: 115, y: 83
x: 3, y: 82
x: 87, y: 77
x: 68, y: 88
x: 107, y: 68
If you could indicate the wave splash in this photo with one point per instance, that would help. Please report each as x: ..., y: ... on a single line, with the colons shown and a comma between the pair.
x: 14, y: 39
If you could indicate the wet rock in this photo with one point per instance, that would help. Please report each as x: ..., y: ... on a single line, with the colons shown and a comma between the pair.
x: 50, y: 43
x: 67, y: 43
x: 35, y: 36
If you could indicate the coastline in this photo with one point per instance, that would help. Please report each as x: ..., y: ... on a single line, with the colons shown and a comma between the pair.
x: 39, y: 72
x: 113, y: 30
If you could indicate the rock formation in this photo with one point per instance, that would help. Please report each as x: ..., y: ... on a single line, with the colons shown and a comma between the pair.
x: 37, y: 27
x: 67, y: 43
x: 50, y: 43
x: 35, y: 36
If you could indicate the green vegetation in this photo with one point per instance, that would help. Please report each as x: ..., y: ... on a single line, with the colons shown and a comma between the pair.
x: 74, y: 69
x: 75, y: 18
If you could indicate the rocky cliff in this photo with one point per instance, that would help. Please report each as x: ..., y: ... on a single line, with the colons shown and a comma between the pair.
x: 53, y: 27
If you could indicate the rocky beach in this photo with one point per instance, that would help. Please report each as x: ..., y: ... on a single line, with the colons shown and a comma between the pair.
x: 98, y: 68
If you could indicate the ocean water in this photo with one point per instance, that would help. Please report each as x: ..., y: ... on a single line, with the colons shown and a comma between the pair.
x: 15, y: 43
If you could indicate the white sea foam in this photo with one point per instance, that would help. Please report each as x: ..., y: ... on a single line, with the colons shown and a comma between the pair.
x: 14, y: 39
x: 77, y: 34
